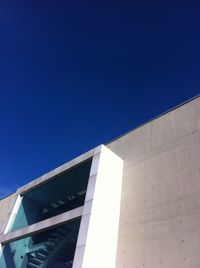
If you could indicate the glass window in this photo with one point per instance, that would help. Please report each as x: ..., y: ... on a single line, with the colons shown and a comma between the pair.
x: 52, y: 248
x: 60, y: 194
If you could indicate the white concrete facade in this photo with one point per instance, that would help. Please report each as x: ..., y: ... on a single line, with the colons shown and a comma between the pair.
x: 100, y: 213
x: 143, y: 197
x: 160, y: 215
x: 97, y: 240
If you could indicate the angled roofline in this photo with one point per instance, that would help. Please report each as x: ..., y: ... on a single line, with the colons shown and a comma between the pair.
x: 154, y: 118
x: 89, y: 154
x: 56, y: 171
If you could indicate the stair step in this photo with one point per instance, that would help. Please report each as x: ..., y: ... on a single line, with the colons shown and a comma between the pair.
x: 44, y: 251
x: 32, y: 265
x: 40, y: 256
x: 36, y: 261
x: 32, y: 254
x: 60, y: 202
x: 54, y: 205
x: 50, y: 243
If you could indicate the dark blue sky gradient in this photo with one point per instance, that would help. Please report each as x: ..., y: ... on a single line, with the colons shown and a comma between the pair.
x: 75, y: 74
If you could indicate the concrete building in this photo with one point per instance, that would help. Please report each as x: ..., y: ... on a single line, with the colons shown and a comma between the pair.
x: 132, y: 203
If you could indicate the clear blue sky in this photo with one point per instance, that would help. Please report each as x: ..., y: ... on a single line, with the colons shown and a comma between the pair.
x: 75, y: 74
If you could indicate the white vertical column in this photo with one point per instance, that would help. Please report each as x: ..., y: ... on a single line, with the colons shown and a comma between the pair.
x: 13, y: 214
x: 97, y: 240
x: 11, y: 218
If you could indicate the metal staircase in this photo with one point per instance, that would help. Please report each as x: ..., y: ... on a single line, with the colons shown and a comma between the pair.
x: 43, y: 254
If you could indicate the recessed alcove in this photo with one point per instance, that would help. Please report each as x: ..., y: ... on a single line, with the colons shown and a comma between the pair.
x: 60, y: 194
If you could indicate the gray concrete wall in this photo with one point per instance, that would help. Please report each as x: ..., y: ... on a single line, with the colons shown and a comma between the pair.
x: 6, y: 206
x: 160, y: 208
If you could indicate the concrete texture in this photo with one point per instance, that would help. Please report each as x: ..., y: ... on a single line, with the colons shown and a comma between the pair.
x: 6, y: 206
x: 160, y: 208
x: 160, y: 205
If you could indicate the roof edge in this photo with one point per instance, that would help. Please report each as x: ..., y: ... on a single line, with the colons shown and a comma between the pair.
x: 154, y: 118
